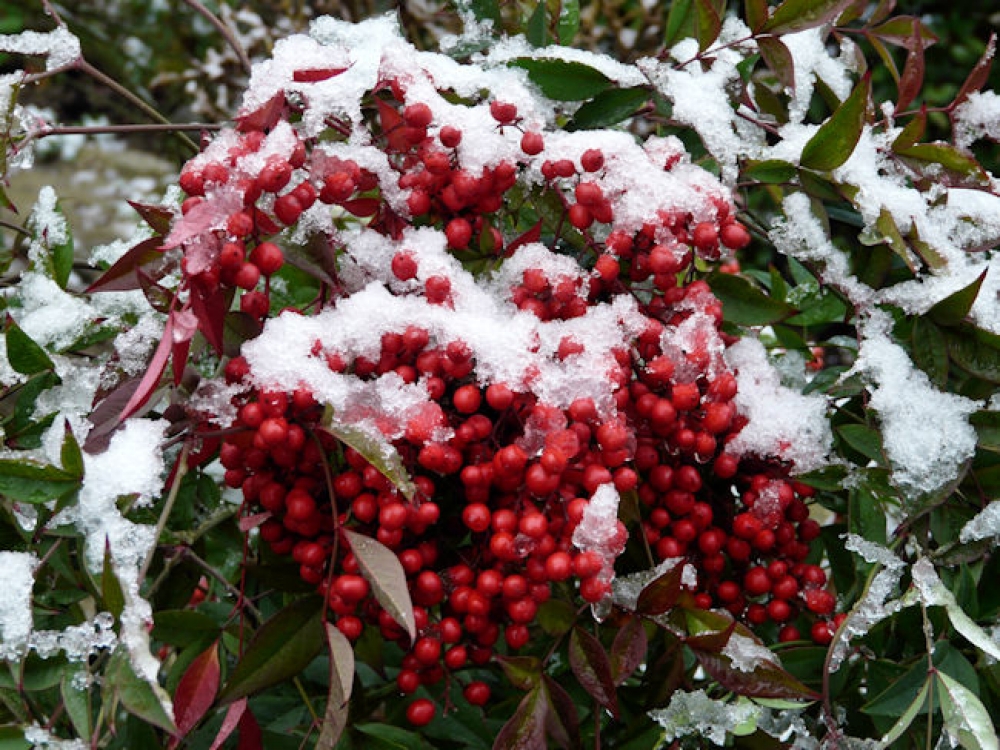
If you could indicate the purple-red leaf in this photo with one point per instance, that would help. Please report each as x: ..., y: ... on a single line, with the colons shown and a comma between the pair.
x: 123, y: 276
x: 380, y: 566
x: 151, y: 378
x: 912, y: 79
x: 341, y: 684
x: 196, y: 690
x: 158, y: 217
x: 799, y: 15
x: 312, y: 75
x: 526, y: 728
x: 755, y: 12
x: 210, y: 309
x: 250, y: 734
x: 628, y: 650
x: 765, y: 680
x: 229, y: 723
x: 532, y: 235
x: 592, y: 667
x: 660, y: 594
x: 561, y: 719
x: 779, y: 59
x: 264, y: 117
x: 978, y: 75
x: 905, y: 31
x: 362, y: 207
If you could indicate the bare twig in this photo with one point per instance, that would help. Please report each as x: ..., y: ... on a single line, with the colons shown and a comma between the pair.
x: 226, y: 32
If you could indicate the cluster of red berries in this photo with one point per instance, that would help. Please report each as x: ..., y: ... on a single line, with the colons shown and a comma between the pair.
x: 503, y: 481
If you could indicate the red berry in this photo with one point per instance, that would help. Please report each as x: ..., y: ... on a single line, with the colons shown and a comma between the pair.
x: 458, y: 233
x: 404, y: 265
x: 734, y: 236
x: 421, y: 712
x: 418, y: 115
x: 592, y: 160
x: 477, y: 693
x: 532, y: 143
x: 267, y: 257
x: 288, y: 208
x: 450, y: 136
x: 503, y: 112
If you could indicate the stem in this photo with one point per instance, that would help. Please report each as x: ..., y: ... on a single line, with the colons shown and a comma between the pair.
x: 227, y: 33
x: 161, y: 524
x: 134, y: 128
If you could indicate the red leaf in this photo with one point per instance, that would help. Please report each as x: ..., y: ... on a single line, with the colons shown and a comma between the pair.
x: 660, y: 594
x: 532, y: 235
x: 250, y: 736
x: 311, y: 75
x: 766, y: 680
x: 196, y: 691
x: 210, y: 309
x: 589, y: 662
x: 252, y: 522
x: 158, y: 217
x: 628, y: 650
x: 526, y: 728
x: 233, y: 717
x: 392, y: 126
x: 362, y: 207
x: 561, y: 719
x: 905, y: 31
x: 151, y: 379
x: 265, y: 116
x: 779, y: 59
x: 912, y: 79
x: 978, y: 75
x: 123, y: 275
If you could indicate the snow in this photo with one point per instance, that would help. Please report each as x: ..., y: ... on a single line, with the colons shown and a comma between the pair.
x: 977, y: 118
x: 925, y: 432
x: 747, y: 654
x: 695, y: 713
x: 59, y: 46
x: 782, y: 422
x: 812, y: 62
x: 985, y: 525
x: 598, y: 530
x: 18, y: 570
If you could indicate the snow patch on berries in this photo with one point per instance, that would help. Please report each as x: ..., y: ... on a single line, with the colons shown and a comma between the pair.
x: 782, y: 423
x: 925, y: 432
x: 600, y: 531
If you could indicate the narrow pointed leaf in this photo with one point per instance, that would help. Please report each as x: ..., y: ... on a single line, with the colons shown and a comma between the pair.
x: 380, y: 566
x: 561, y: 720
x: 609, y: 108
x: 979, y: 74
x: 798, y: 15
x: 70, y: 455
x: 835, y: 140
x: 681, y: 22
x: 250, y: 737
x: 526, y: 728
x: 232, y: 719
x: 341, y: 683
x: 28, y: 482
x: 770, y: 171
x: 779, y: 59
x: 766, y: 680
x: 965, y: 717
x: 196, y: 691
x: 123, y: 275
x: 77, y: 704
x: 743, y: 303
x: 954, y: 308
x: 755, y: 12
x: 112, y: 597
x: 157, y: 217
x: 912, y: 80
x: 709, y: 23
x: 151, y: 378
x: 628, y: 650
x: 137, y: 695
x: 913, y: 131
x: 907, y: 717
x: 592, y: 667
x: 900, y: 30
x: 380, y: 454
x: 568, y: 22
x: 948, y: 156
x: 279, y: 650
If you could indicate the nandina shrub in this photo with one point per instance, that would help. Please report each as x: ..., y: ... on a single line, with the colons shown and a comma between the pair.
x: 488, y: 389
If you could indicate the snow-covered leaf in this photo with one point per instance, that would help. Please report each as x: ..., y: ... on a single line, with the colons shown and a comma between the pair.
x: 836, y: 139
x: 965, y: 717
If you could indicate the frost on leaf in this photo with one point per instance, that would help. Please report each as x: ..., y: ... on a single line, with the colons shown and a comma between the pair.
x: 985, y: 525
x: 694, y: 713
x: 875, y: 604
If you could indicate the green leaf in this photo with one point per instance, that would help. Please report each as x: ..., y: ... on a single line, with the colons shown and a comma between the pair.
x: 280, y: 649
x: 24, y: 355
x: 907, y: 717
x: 956, y: 306
x: 770, y: 171
x: 609, y: 108
x: 341, y: 684
x: 798, y: 15
x: 948, y: 156
x: 745, y: 304
x: 77, y: 703
x: 388, y: 736
x: 381, y: 455
x: 987, y: 424
x: 535, y: 27
x: 568, y: 22
x: 834, y: 142
x: 58, y: 260
x: 866, y: 516
x: 975, y: 351
x: 139, y: 697
x: 112, y: 597
x: 12, y: 738
x: 755, y: 11
x: 29, y: 482
x: 70, y: 455
x: 965, y: 717
x: 930, y: 350
x: 866, y: 440
x: 709, y: 24
x: 564, y: 80
x: 380, y: 566
x: 182, y: 627
x: 681, y: 22
x: 894, y: 699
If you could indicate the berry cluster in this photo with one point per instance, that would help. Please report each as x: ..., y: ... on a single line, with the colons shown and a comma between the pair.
x: 587, y: 251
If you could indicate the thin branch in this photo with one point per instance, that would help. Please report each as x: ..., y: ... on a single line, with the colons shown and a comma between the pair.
x: 226, y: 32
x: 161, y: 524
x: 134, y: 128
